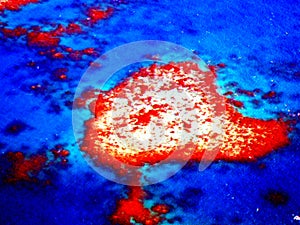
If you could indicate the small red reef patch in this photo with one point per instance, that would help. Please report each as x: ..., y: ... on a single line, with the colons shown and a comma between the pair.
x: 14, y: 4
x: 133, y: 209
x: 96, y: 15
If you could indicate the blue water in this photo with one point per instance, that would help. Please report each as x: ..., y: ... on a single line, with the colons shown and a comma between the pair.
x: 257, y: 40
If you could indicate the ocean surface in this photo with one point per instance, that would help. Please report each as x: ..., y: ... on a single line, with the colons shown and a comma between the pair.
x: 258, y: 41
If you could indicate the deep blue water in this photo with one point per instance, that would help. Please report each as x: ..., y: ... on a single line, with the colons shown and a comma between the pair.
x: 257, y: 40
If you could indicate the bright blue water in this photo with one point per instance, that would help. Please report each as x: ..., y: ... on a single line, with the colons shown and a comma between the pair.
x: 259, y: 42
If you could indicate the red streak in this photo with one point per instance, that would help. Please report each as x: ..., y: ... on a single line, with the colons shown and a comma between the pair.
x: 268, y: 95
x: 58, y: 55
x: 236, y: 103
x: 245, y: 92
x: 228, y: 93
x: 221, y: 65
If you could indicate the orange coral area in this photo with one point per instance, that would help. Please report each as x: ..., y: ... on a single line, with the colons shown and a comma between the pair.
x: 243, y: 138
